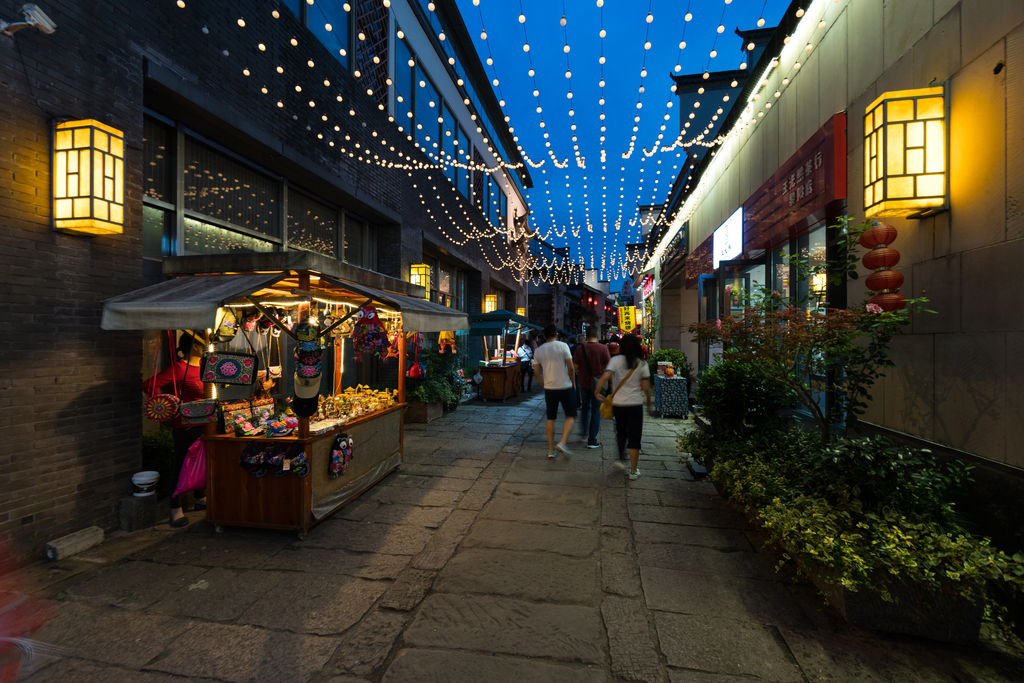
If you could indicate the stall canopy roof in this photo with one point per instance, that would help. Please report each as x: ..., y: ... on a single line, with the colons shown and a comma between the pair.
x: 488, y: 324
x: 190, y: 302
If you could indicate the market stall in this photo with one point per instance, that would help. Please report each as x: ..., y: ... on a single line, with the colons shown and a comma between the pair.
x: 288, y: 459
x: 501, y: 372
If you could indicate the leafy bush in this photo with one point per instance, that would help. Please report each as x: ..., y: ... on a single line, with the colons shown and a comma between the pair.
x: 678, y: 359
x: 736, y: 398
x: 431, y: 391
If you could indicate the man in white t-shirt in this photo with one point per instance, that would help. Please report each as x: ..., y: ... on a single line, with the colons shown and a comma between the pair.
x: 553, y: 366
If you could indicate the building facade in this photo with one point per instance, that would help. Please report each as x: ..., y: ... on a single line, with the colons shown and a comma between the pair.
x: 350, y: 130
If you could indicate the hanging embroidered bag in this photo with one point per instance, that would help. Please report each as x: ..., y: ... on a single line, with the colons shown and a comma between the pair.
x: 230, y: 368
x: 163, y: 407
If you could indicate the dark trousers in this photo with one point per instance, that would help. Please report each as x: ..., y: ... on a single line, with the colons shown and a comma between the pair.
x: 526, y: 370
x: 184, y: 437
x: 590, y: 416
x: 629, y: 426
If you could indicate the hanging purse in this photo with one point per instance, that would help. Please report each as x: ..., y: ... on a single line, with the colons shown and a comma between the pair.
x: 230, y: 368
x: 606, y: 404
x: 198, y: 412
x: 229, y: 410
x: 163, y: 407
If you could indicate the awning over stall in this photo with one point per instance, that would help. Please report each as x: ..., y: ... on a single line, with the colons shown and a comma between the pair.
x: 418, y: 315
x: 489, y: 324
x: 184, y: 303
x: 190, y: 302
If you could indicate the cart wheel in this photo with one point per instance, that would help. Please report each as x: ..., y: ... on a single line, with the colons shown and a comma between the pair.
x: 302, y: 535
x: 219, y: 528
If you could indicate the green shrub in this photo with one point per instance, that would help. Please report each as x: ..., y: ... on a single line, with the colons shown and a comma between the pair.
x: 677, y: 358
x: 737, y: 399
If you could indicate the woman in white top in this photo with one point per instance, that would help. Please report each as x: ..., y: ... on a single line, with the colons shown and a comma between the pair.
x: 628, y: 401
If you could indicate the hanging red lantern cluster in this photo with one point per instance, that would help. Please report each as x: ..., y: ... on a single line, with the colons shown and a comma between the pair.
x: 884, y: 281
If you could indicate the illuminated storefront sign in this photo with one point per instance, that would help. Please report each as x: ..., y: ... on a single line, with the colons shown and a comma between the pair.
x: 627, y: 318
x: 647, y: 285
x: 728, y: 240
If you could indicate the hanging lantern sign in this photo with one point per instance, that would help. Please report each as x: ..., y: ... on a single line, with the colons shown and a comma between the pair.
x: 627, y: 318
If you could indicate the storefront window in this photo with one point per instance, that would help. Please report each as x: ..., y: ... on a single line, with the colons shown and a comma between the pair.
x: 360, y: 243
x: 780, y: 272
x: 449, y: 142
x: 427, y: 111
x: 158, y: 159
x: 156, y: 233
x: 222, y: 188
x: 811, y: 249
x: 206, y: 238
x: 312, y: 226
x: 464, y: 158
x: 405, y: 80
x: 329, y: 23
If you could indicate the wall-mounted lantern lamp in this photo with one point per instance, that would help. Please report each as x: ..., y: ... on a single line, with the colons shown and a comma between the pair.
x: 906, y: 171
x: 419, y: 274
x: 521, y: 312
x: 88, y: 178
x: 490, y: 303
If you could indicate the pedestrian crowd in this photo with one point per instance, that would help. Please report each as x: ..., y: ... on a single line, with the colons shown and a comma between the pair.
x: 593, y: 380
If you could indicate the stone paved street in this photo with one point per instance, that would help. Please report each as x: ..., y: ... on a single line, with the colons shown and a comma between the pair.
x: 481, y: 560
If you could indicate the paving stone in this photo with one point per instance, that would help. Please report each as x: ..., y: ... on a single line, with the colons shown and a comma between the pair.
x: 573, y: 464
x: 242, y: 654
x: 441, y: 471
x: 213, y: 550
x: 336, y: 561
x: 435, y: 666
x: 724, y: 646
x: 721, y: 539
x: 635, y: 496
x: 78, y: 671
x: 497, y: 469
x: 684, y: 676
x: 689, y: 499
x: 619, y: 574
x: 114, y: 636
x: 731, y: 597
x: 367, y: 645
x: 528, y: 576
x: 688, y: 558
x: 134, y: 585
x: 568, y: 495
x: 444, y: 484
x: 442, y: 546
x: 831, y: 658
x: 220, y: 594
x: 633, y: 656
x: 721, y: 519
x: 477, y: 496
x: 412, y: 515
x: 616, y: 540
x: 323, y: 604
x: 540, y: 511
x: 359, y: 509
x: 489, y: 533
x: 408, y: 590
x: 613, y: 509
x: 563, y: 632
x: 433, y: 496
x: 589, y: 480
x: 390, y: 539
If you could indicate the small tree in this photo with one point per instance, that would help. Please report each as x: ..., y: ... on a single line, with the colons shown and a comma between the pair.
x: 652, y: 321
x: 809, y: 347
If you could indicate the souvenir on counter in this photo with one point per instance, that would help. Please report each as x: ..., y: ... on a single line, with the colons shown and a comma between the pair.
x: 368, y: 335
x: 198, y: 412
x: 230, y: 411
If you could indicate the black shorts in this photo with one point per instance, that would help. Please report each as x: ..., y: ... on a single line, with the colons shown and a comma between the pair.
x: 567, y: 397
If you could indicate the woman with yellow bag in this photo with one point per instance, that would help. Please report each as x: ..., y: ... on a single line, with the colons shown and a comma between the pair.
x: 631, y: 377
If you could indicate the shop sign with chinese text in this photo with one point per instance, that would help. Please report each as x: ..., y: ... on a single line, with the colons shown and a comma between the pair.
x: 647, y: 285
x: 627, y: 318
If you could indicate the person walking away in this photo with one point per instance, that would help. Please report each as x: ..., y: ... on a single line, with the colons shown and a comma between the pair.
x: 590, y: 360
x: 553, y: 366
x: 185, y: 372
x: 631, y: 377
x: 525, y: 354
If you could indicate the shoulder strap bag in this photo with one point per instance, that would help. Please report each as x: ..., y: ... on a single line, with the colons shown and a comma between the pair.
x: 594, y: 379
x: 606, y: 405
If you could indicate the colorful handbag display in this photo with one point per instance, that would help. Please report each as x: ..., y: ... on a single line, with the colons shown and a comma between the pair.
x: 198, y: 412
x: 258, y: 405
x: 230, y: 368
x: 229, y: 410
x: 163, y: 407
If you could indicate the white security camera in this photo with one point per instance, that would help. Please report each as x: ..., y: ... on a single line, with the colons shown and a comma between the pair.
x: 33, y: 17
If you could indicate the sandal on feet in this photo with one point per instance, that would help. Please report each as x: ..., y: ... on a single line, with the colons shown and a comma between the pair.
x: 178, y: 523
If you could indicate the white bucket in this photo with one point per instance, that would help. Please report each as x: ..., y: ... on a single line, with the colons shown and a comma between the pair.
x: 145, y: 483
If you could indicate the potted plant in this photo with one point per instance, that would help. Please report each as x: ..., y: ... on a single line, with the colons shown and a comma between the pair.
x: 427, y: 398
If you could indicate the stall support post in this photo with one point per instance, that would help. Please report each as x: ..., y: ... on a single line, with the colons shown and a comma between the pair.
x: 401, y: 365
x: 487, y: 355
x: 303, y: 284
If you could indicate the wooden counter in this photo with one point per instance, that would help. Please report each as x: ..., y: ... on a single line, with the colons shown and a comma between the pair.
x: 501, y: 381
x: 237, y: 498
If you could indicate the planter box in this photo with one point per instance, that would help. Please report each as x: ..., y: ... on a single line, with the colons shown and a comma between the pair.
x: 918, y: 612
x: 423, y: 412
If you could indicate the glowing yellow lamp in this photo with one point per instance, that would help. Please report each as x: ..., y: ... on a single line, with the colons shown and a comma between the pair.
x: 419, y: 274
x: 905, y: 154
x: 490, y: 303
x: 88, y: 178
x: 521, y: 312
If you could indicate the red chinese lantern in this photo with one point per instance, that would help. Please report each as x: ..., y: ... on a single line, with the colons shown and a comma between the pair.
x: 885, y: 281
